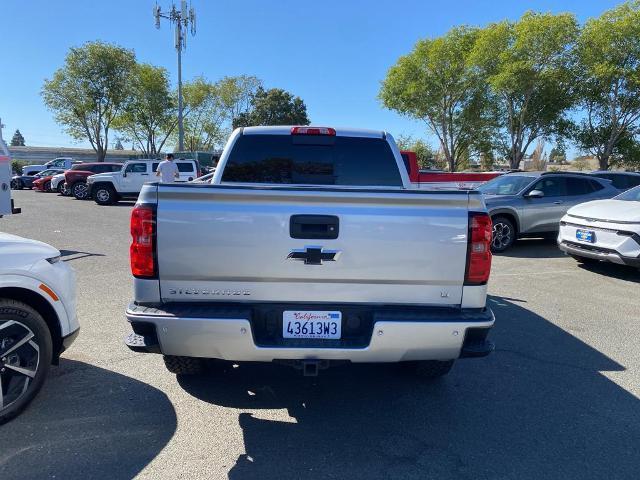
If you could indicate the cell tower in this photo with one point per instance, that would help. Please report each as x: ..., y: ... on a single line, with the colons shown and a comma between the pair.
x: 183, y: 20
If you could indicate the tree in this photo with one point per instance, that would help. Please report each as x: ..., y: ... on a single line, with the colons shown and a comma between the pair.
x: 236, y: 94
x: 558, y: 153
x: 436, y: 84
x: 424, y: 153
x: 205, y: 116
x: 273, y: 107
x: 17, y: 140
x: 527, y: 65
x: 608, y: 72
x: 150, y: 116
x: 90, y: 91
x: 118, y: 144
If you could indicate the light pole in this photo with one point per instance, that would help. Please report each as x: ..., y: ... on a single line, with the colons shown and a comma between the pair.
x: 181, y: 19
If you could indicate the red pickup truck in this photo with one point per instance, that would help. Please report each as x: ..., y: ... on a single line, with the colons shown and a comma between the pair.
x: 76, y: 178
x: 443, y: 180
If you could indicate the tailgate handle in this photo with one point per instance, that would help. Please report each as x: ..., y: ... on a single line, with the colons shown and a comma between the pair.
x: 314, y: 227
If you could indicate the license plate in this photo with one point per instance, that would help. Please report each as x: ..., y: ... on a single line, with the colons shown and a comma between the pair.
x: 585, y: 235
x: 311, y: 324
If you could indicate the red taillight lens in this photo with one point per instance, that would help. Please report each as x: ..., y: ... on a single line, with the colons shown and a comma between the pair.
x: 313, y: 131
x: 143, y: 229
x: 479, y: 249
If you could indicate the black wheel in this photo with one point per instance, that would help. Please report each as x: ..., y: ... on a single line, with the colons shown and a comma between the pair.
x: 105, y: 195
x: 60, y: 188
x: 430, y: 368
x: 25, y: 356
x: 504, y: 234
x: 17, y: 184
x: 47, y: 187
x: 184, y: 365
x: 80, y: 190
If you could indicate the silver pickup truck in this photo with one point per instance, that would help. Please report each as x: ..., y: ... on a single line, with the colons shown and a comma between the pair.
x: 309, y: 248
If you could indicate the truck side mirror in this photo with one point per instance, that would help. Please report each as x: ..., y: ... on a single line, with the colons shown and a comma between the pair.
x: 535, y: 194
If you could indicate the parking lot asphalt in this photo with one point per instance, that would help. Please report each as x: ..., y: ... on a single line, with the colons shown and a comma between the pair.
x: 560, y: 397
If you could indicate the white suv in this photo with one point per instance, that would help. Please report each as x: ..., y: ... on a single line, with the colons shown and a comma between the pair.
x: 108, y: 188
x: 37, y: 318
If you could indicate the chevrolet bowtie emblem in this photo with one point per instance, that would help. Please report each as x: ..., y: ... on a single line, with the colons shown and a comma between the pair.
x: 314, y: 255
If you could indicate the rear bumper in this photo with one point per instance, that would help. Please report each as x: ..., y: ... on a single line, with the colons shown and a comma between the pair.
x: 228, y: 332
x: 598, y: 253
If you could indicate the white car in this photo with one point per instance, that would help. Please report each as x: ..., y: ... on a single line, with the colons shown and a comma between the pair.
x: 57, y: 184
x: 37, y: 318
x: 604, y: 230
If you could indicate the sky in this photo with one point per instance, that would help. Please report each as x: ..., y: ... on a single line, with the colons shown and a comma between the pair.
x: 331, y: 53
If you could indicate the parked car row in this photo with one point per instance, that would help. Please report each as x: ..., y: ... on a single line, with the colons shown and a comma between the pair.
x: 588, y: 214
x: 106, y: 183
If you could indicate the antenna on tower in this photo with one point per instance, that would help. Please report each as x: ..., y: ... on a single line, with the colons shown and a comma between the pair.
x: 182, y: 19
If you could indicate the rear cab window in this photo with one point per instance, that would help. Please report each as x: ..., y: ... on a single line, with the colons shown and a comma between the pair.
x: 312, y: 160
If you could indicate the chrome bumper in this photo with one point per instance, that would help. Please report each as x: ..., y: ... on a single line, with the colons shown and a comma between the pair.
x: 228, y: 338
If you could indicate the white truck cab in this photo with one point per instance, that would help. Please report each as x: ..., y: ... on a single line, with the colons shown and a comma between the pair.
x: 37, y: 308
x: 64, y: 163
x: 108, y: 188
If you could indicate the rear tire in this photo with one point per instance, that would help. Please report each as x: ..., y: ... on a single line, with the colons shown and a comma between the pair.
x: 105, y: 195
x: 23, y: 369
x: 46, y: 187
x: 60, y: 188
x: 430, y: 369
x: 80, y: 190
x: 184, y: 365
x: 17, y: 185
x: 503, y: 234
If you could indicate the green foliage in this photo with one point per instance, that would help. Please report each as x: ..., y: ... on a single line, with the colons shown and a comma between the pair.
x: 16, y: 165
x: 424, y: 153
x: 17, y: 140
x: 437, y: 84
x: 149, y: 116
x: 204, y: 120
x: 236, y: 94
x: 527, y: 65
x: 558, y: 153
x: 273, y: 107
x: 90, y: 91
x: 580, y: 164
x: 608, y: 73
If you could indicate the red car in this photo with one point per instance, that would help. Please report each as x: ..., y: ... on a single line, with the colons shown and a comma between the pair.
x: 76, y: 178
x: 44, y: 183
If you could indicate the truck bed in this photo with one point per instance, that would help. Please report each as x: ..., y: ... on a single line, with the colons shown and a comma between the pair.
x: 234, y: 243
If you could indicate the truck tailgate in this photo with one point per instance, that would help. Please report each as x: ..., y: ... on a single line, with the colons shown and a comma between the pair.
x: 234, y: 244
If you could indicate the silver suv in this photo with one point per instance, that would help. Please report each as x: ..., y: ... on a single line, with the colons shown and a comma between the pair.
x: 530, y: 204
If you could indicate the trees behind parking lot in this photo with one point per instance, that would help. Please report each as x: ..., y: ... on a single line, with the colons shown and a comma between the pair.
x: 436, y: 84
x: 90, y: 91
x: 273, y: 107
x: 608, y: 73
x: 539, y: 77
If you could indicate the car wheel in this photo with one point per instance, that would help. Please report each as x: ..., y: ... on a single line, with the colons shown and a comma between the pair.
x: 430, y: 369
x: 60, y: 188
x: 504, y: 234
x: 47, y: 187
x: 25, y: 356
x: 183, y: 365
x: 16, y: 185
x: 80, y: 190
x: 104, y: 195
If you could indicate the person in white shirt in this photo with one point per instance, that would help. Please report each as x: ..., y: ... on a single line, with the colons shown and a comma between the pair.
x: 168, y: 170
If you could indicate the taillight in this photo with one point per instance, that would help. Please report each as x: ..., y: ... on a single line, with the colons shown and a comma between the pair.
x: 143, y: 239
x: 313, y: 131
x: 478, y: 249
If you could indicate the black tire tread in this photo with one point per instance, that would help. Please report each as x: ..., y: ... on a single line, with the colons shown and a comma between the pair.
x: 183, y: 365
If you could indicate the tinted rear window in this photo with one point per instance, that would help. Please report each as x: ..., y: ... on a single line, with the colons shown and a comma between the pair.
x: 185, y: 167
x: 312, y: 160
